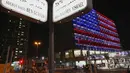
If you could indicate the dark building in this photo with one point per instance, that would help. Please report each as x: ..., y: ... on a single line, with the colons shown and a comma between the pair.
x: 14, y: 33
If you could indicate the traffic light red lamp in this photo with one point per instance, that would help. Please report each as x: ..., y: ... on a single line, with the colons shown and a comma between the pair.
x: 21, y: 61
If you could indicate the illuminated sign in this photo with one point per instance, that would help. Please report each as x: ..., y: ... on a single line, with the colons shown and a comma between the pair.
x: 65, y: 8
x: 36, y: 9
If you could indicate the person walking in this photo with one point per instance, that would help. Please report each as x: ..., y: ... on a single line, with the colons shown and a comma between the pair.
x: 128, y: 69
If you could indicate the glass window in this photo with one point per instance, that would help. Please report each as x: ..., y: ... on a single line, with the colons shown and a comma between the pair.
x: 21, y: 43
x: 16, y: 48
x: 19, y: 27
x: 84, y: 52
x: 66, y: 54
x: 15, y: 56
x: 20, y: 51
x: 22, y: 34
x: 16, y: 53
x: 17, y: 43
x: 9, y: 20
x: 21, y: 38
x: 18, y: 33
x: 77, y: 53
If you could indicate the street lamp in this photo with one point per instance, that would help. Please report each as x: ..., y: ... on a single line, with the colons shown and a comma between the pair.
x: 37, y: 44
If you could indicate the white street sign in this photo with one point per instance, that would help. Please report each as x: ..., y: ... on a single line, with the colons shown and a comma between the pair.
x: 36, y: 9
x: 65, y: 8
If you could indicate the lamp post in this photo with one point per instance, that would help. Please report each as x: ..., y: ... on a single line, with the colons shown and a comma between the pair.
x: 37, y: 44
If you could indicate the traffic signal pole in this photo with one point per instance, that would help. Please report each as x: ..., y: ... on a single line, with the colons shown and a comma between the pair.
x: 51, y: 37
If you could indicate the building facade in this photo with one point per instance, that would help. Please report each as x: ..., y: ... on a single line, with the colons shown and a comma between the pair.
x: 94, y: 31
x: 95, y: 37
x: 14, y: 33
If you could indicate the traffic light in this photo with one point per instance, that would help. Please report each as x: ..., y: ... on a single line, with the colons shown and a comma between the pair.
x: 21, y: 61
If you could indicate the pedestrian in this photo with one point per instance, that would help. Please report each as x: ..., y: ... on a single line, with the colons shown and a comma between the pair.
x: 75, y: 67
x: 86, y: 68
x: 128, y: 70
x: 92, y: 67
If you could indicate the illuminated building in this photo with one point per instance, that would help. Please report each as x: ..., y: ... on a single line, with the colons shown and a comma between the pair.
x: 95, y: 36
x: 21, y: 33
x: 14, y: 33
x: 94, y: 31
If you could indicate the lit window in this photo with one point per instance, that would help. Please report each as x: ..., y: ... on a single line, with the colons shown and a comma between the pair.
x: 17, y: 43
x: 15, y: 56
x: 66, y: 53
x: 20, y: 18
x: 19, y: 27
x: 16, y: 48
x: 20, y: 23
x: 18, y: 33
x: 23, y: 25
x: 21, y: 44
x: 77, y: 53
x: 8, y: 29
x: 20, y: 51
x: 22, y: 39
x: 22, y: 34
x: 102, y: 52
x: 16, y: 51
x: 84, y: 52
x: 9, y: 20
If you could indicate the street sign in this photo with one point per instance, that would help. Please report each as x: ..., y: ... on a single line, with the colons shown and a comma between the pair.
x: 36, y: 9
x: 65, y: 8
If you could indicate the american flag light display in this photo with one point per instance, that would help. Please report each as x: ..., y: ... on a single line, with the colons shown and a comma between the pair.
x: 94, y: 31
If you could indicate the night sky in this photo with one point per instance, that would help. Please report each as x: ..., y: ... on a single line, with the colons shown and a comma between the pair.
x: 117, y: 10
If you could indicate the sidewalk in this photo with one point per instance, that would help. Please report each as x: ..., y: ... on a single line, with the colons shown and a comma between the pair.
x: 99, y: 71
x: 112, y: 71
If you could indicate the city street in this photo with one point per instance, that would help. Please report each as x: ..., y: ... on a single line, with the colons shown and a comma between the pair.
x: 99, y: 71
x: 113, y: 71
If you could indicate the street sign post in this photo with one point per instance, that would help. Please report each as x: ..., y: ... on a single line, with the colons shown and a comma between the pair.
x: 36, y: 9
x: 65, y: 8
x: 51, y: 38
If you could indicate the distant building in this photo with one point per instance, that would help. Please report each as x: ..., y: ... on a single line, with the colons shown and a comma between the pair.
x: 14, y: 32
x: 95, y: 36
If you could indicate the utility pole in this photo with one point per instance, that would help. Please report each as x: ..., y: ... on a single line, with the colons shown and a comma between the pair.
x: 7, y: 58
x: 12, y: 53
x: 51, y: 37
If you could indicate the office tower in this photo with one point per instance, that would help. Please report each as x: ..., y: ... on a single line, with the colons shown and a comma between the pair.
x: 94, y: 31
x: 14, y: 33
